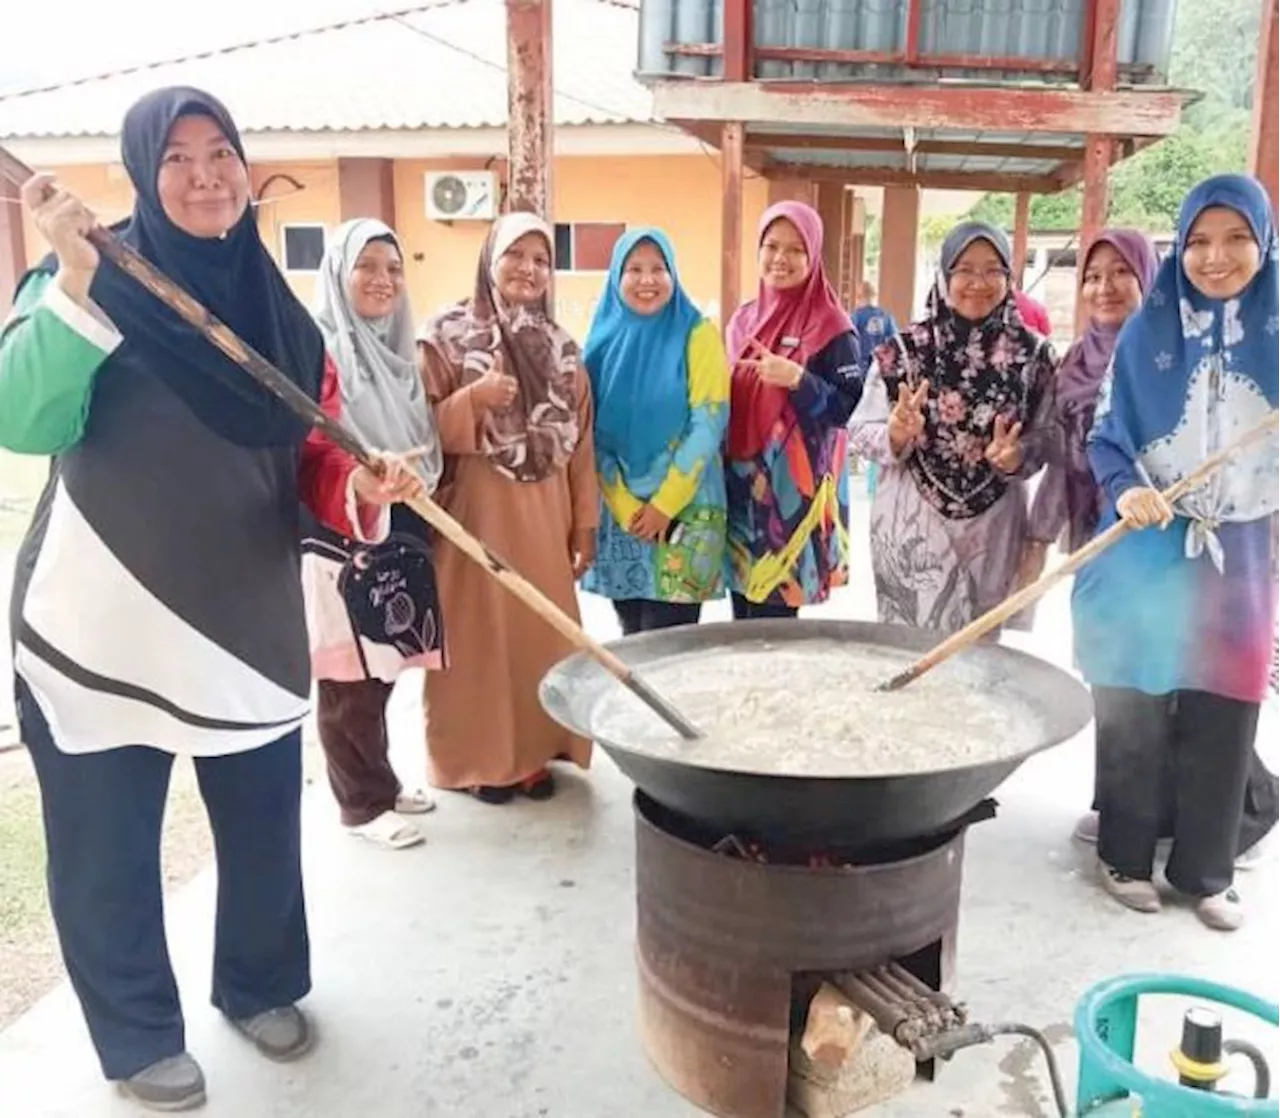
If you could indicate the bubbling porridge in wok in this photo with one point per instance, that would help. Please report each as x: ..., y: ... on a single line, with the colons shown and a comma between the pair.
x: 810, y: 708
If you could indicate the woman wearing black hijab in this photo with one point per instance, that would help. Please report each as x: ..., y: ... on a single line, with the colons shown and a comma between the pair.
x: 157, y: 607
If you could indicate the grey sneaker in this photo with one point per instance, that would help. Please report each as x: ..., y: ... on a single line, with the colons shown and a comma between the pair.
x: 279, y: 1034
x: 172, y: 1084
x: 1223, y: 912
x: 1087, y: 827
x: 1141, y: 896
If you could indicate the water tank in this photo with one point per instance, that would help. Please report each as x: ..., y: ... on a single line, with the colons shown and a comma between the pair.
x: 1048, y: 30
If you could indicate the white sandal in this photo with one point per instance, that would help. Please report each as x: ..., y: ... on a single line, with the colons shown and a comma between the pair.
x: 414, y: 803
x: 389, y: 831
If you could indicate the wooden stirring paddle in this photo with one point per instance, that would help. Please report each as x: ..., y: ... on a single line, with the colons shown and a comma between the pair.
x: 1018, y: 601
x: 267, y: 375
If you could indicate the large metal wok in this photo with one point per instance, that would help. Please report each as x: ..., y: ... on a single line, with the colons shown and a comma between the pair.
x: 844, y: 812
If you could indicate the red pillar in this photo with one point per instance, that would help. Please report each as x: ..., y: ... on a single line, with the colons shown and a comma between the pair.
x: 530, y: 124
x: 1097, y: 153
x: 731, y: 142
x: 13, y: 250
x: 900, y: 224
x: 1021, y: 229
x: 366, y: 188
x: 1265, y: 151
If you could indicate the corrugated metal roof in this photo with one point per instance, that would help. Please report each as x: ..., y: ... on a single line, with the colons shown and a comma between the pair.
x: 441, y: 67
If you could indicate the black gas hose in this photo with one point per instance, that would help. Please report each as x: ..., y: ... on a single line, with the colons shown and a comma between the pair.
x: 945, y: 1044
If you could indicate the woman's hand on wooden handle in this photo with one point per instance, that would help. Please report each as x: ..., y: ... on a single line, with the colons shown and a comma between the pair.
x: 906, y: 420
x: 64, y: 221
x: 392, y: 482
x: 1144, y: 507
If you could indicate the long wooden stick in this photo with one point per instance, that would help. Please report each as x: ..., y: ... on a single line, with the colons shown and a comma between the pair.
x: 1017, y: 602
x: 267, y: 375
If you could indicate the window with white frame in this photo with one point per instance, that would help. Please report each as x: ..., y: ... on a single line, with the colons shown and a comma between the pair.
x: 301, y: 246
x: 585, y: 246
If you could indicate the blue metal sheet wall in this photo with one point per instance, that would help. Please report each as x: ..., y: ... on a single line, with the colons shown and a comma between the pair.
x: 1024, y: 29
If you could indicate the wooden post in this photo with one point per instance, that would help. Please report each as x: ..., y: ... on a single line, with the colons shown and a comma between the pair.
x: 1021, y: 229
x: 1264, y: 158
x: 738, y: 38
x: 900, y: 223
x: 832, y: 211
x: 13, y: 249
x: 1104, y: 70
x: 530, y: 124
x: 732, y: 134
x: 857, y: 245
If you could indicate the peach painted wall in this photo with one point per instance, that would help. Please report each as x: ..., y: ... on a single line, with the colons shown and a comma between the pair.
x: 106, y: 190
x: 680, y: 193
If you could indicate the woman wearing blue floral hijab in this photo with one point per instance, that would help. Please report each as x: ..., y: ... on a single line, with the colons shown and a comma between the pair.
x: 1174, y: 624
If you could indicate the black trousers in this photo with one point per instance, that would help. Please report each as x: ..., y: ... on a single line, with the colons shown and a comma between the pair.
x: 1190, y: 749
x: 640, y: 615
x: 746, y: 610
x: 102, y: 819
x: 1261, y: 809
x: 352, y: 720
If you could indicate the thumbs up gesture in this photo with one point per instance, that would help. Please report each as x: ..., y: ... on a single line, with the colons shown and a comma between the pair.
x: 1004, y: 451
x: 906, y: 420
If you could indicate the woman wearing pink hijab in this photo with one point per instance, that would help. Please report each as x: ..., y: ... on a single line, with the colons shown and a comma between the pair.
x: 797, y: 377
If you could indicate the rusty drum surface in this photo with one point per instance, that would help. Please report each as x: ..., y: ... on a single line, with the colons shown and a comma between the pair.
x: 719, y: 939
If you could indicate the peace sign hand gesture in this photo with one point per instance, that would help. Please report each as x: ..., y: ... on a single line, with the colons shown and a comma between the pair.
x: 906, y: 420
x: 1004, y: 451
x: 773, y: 368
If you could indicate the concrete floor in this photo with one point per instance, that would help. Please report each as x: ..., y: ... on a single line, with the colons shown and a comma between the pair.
x: 489, y: 972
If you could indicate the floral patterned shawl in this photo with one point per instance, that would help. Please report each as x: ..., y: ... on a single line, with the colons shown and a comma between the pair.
x: 976, y: 372
x: 536, y: 435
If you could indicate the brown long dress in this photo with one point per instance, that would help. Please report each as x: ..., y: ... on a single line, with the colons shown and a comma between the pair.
x: 485, y: 725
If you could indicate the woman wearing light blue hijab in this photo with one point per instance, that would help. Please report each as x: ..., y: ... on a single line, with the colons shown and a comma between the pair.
x: 660, y: 381
x: 1174, y: 624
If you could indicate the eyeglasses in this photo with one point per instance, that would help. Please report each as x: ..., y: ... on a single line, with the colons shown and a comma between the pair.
x: 990, y: 276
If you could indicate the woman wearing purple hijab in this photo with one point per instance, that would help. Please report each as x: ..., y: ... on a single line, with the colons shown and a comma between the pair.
x: 1117, y: 275
x: 1119, y: 271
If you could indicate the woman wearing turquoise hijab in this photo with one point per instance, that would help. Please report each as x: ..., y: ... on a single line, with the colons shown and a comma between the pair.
x: 660, y: 381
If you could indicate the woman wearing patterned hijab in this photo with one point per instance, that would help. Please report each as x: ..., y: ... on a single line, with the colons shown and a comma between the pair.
x: 796, y: 379
x: 1174, y: 628
x: 956, y: 410
x: 513, y: 408
x: 371, y: 609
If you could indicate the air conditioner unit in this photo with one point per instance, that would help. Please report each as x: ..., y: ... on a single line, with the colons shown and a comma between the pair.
x: 462, y: 195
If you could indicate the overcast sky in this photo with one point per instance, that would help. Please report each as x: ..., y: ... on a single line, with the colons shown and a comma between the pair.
x: 52, y: 41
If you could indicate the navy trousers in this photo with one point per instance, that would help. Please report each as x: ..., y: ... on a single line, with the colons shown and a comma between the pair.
x: 102, y: 819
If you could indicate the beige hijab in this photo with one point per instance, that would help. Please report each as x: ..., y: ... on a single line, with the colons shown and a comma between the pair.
x: 536, y: 435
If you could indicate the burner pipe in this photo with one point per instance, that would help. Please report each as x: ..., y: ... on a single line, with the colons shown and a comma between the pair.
x: 891, y: 1018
